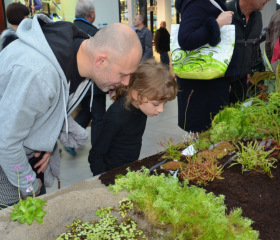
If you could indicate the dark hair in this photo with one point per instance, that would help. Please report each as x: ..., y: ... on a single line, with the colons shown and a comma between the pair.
x: 16, y: 12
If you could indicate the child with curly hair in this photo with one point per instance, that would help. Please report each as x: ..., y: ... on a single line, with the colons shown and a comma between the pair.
x: 120, y: 139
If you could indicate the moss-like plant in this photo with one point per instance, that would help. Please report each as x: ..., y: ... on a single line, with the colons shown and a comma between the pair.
x: 223, y: 149
x: 189, y: 211
x: 202, y: 144
x: 254, y: 157
x: 107, y: 227
x: 258, y: 121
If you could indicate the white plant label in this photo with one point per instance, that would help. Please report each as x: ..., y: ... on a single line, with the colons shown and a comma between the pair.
x: 189, y: 151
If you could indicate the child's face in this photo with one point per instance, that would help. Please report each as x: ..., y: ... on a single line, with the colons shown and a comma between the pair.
x: 151, y: 108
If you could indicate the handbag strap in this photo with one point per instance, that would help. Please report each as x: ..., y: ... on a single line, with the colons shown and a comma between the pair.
x: 216, y: 5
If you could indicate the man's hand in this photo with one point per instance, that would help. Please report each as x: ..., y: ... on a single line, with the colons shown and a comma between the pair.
x: 44, y: 162
x: 225, y: 18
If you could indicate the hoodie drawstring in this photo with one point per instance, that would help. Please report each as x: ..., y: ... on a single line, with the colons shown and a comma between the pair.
x: 91, y: 96
x: 65, y: 108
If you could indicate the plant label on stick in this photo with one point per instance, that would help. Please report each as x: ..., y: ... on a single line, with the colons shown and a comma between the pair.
x: 189, y: 151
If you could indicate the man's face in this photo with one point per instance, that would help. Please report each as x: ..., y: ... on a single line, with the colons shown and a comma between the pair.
x: 137, y: 22
x: 118, y: 72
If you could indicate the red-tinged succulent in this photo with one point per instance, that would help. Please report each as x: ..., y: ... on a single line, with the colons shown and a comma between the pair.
x: 201, y: 172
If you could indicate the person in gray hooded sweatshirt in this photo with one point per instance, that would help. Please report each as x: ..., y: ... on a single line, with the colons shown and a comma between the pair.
x: 36, y: 78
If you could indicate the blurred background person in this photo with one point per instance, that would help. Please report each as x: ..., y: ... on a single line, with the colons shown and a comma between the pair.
x: 34, y: 6
x: 15, y: 13
x: 162, y: 43
x: 247, y: 19
x: 272, y: 44
x: 145, y: 36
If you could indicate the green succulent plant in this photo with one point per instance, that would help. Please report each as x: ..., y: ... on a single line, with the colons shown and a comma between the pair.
x: 29, y: 209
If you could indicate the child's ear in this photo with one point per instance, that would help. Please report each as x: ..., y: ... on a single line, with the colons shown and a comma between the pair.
x: 134, y: 94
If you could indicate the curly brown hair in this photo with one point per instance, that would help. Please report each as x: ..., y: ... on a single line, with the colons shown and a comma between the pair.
x: 152, y: 80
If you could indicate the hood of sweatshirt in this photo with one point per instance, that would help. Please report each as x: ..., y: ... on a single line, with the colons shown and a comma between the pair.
x: 55, y: 40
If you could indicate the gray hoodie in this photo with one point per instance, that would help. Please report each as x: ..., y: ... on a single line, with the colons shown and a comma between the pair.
x: 33, y: 96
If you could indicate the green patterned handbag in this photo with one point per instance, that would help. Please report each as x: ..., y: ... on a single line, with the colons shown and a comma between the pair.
x: 206, y: 62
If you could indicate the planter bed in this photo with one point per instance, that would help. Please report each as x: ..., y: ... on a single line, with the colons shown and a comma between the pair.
x: 258, y: 195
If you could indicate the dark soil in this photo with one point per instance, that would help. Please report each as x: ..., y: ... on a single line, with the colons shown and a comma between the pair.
x: 258, y: 195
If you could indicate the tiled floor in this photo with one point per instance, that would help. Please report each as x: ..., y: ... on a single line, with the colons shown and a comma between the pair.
x: 75, y: 169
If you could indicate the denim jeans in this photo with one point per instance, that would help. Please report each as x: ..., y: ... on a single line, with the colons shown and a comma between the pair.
x: 164, y: 58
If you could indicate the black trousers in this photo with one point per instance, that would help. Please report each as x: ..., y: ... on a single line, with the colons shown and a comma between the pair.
x: 98, y: 110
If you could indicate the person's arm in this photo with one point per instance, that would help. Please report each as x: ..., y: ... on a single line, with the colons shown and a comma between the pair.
x: 157, y: 39
x: 110, y: 129
x: 22, y: 102
x: 195, y: 30
x: 37, y: 4
x: 272, y: 36
x: 148, y: 50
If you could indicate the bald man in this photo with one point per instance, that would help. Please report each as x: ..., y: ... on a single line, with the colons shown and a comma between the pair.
x: 162, y: 43
x: 39, y: 70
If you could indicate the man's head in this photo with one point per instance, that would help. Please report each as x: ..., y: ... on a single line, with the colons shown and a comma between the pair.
x: 16, y: 12
x: 139, y: 21
x: 163, y: 24
x: 110, y: 57
x: 85, y: 9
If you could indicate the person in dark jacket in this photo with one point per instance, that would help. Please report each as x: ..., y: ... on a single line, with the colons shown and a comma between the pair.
x: 15, y: 13
x: 247, y: 19
x: 200, y: 100
x: 162, y: 43
x: 120, y: 139
x: 92, y: 109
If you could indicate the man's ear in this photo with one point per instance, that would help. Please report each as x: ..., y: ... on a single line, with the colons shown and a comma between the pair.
x: 92, y: 14
x: 101, y: 61
x: 134, y: 94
